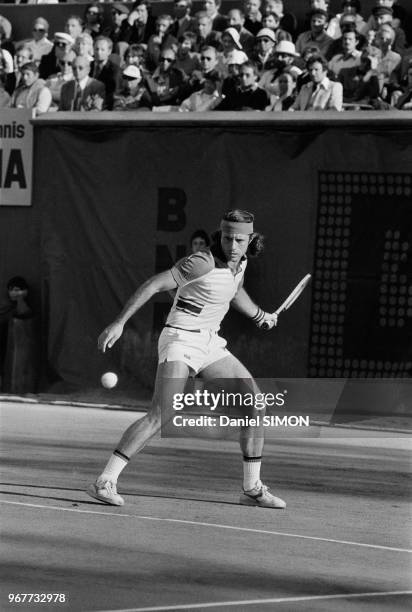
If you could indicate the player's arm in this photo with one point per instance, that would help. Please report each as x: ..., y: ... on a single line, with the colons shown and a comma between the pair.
x: 244, y: 304
x: 163, y: 281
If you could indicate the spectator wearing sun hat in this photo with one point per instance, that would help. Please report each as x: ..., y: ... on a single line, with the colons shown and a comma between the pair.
x: 285, y: 56
x: 263, y: 56
x: 236, y: 19
x: 231, y: 83
x: 62, y: 44
x: 133, y: 93
x: 40, y: 44
x: 317, y: 33
x: 231, y: 42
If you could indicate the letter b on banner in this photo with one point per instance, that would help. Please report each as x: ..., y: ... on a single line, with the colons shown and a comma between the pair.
x: 171, y: 216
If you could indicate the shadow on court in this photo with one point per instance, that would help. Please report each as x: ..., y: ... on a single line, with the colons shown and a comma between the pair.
x: 182, y: 539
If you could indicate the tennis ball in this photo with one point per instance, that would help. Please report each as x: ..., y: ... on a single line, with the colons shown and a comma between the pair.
x: 109, y: 380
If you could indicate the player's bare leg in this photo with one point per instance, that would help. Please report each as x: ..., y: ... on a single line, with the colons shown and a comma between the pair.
x: 251, y: 437
x: 170, y: 379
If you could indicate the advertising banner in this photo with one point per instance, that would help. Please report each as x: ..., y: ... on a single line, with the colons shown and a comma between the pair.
x: 16, y: 155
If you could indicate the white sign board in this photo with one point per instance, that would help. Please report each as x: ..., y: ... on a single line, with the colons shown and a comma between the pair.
x: 16, y: 157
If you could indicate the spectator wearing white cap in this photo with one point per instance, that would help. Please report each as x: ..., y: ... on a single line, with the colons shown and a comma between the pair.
x: 62, y: 43
x: 285, y: 56
x: 272, y: 20
x: 263, y: 55
x: 231, y: 42
x: 231, y: 83
x: 133, y: 94
x: 236, y: 19
x: 40, y: 44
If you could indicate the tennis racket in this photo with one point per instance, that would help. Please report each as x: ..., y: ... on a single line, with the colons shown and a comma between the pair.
x: 292, y: 297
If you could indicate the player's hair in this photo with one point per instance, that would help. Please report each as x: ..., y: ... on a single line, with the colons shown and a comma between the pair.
x: 256, y: 245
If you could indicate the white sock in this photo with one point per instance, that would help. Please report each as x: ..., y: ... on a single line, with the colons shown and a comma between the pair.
x: 251, y: 472
x: 114, y: 467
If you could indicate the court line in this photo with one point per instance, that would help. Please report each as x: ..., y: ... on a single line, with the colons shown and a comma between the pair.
x: 215, y: 525
x: 252, y: 602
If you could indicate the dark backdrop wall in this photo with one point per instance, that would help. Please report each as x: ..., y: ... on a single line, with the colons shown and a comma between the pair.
x: 115, y: 202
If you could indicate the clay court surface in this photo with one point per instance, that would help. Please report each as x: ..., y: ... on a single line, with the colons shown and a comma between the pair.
x: 182, y: 542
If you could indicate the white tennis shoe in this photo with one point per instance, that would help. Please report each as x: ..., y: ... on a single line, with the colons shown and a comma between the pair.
x: 260, y: 496
x: 105, y: 491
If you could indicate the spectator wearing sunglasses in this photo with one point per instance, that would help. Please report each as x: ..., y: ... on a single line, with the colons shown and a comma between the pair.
x: 159, y: 41
x: 93, y: 19
x: 40, y: 44
x: 264, y: 54
x: 166, y: 84
x: 118, y: 26
x: 133, y: 94
x: 63, y: 43
x: 56, y: 81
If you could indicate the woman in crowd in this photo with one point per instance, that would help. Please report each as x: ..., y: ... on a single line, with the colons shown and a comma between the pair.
x: 284, y: 92
x: 83, y: 47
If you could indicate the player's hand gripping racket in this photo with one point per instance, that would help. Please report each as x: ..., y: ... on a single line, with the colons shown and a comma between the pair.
x: 291, y: 299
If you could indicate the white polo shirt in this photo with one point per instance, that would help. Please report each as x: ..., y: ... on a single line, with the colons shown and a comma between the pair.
x: 206, y: 287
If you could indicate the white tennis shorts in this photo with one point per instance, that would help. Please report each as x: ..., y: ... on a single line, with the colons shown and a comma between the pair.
x: 196, y: 349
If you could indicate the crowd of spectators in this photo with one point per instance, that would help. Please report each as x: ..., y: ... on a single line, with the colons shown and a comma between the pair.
x: 253, y: 58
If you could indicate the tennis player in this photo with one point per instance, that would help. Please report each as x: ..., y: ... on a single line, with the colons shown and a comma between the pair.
x: 207, y: 283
